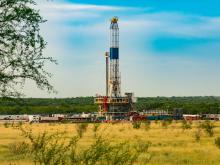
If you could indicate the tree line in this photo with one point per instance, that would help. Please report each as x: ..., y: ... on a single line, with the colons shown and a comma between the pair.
x: 189, y: 105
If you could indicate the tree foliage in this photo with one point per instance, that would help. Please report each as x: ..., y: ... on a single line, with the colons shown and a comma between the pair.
x: 189, y: 105
x: 21, y: 47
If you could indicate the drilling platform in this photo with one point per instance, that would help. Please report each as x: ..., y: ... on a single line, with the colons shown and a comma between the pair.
x: 113, y: 103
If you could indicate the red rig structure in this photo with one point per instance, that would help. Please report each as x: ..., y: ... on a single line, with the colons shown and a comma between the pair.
x: 113, y: 103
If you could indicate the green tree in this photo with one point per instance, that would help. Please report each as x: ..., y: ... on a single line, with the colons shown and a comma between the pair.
x: 21, y: 48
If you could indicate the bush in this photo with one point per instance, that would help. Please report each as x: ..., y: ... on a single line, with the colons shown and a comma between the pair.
x: 142, y: 146
x: 136, y: 125
x: 208, y: 127
x: 48, y: 149
x: 217, y: 142
x: 197, y: 135
x: 101, y: 152
x: 147, y: 125
x: 57, y: 149
x: 169, y: 121
x: 81, y: 129
x: 121, y: 154
x: 6, y: 124
x: 20, y: 123
x: 95, y: 128
x: 164, y: 123
x: 96, y: 152
x: 186, y: 125
x: 19, y: 148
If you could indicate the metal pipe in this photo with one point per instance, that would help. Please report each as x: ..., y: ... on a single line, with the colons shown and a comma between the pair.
x: 107, y: 71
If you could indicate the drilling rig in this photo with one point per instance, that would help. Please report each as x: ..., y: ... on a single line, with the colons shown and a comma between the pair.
x: 113, y: 103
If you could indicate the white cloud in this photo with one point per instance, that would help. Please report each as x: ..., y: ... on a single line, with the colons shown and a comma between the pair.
x: 77, y: 7
x: 63, y: 11
x: 81, y: 66
x: 174, y: 24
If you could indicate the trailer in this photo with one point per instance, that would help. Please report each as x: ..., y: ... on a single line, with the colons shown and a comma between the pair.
x: 50, y: 119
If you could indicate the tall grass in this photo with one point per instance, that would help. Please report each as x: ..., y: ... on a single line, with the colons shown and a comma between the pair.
x: 186, y: 125
x: 95, y: 128
x: 197, y: 134
x: 57, y: 149
x: 112, y: 146
x: 208, y: 127
x: 18, y: 148
x: 136, y: 124
x: 81, y: 129
x: 6, y: 124
x: 217, y: 142
x: 47, y: 149
x: 147, y: 125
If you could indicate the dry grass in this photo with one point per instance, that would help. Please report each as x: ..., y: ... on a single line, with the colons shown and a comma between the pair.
x: 169, y: 146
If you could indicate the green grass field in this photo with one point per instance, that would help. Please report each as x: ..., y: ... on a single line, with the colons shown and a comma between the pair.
x: 169, y: 144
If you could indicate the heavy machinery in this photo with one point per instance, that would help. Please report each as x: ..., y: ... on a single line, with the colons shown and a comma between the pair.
x: 113, y: 102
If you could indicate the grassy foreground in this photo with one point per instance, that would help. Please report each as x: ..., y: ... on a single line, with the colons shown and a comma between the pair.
x: 169, y: 143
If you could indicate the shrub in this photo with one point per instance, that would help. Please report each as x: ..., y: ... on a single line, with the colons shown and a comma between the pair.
x: 96, y: 152
x: 6, y: 124
x: 164, y: 123
x: 95, y: 128
x: 169, y: 121
x: 142, y: 146
x: 12, y: 124
x: 208, y: 127
x: 147, y: 125
x: 81, y: 129
x: 186, y: 125
x: 18, y: 148
x: 136, y: 125
x: 197, y: 135
x: 47, y: 148
x: 122, y: 154
x: 20, y: 123
x: 57, y: 149
x: 217, y: 142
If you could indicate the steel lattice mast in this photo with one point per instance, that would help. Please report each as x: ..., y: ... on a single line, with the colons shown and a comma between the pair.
x: 113, y: 103
x: 114, y: 75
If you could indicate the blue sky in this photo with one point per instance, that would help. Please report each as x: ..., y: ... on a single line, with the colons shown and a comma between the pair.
x: 167, y: 47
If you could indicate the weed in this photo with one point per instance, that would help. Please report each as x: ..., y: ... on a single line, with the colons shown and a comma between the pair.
x: 96, y: 152
x: 142, y: 146
x: 169, y: 121
x: 12, y: 124
x: 47, y: 148
x: 136, y: 125
x: 20, y: 123
x: 186, y: 125
x: 164, y: 123
x: 122, y: 154
x: 147, y: 125
x: 81, y: 129
x: 56, y: 149
x: 95, y: 128
x: 6, y: 124
x: 217, y: 142
x: 18, y: 148
x: 121, y: 129
x: 197, y: 135
x: 208, y: 127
